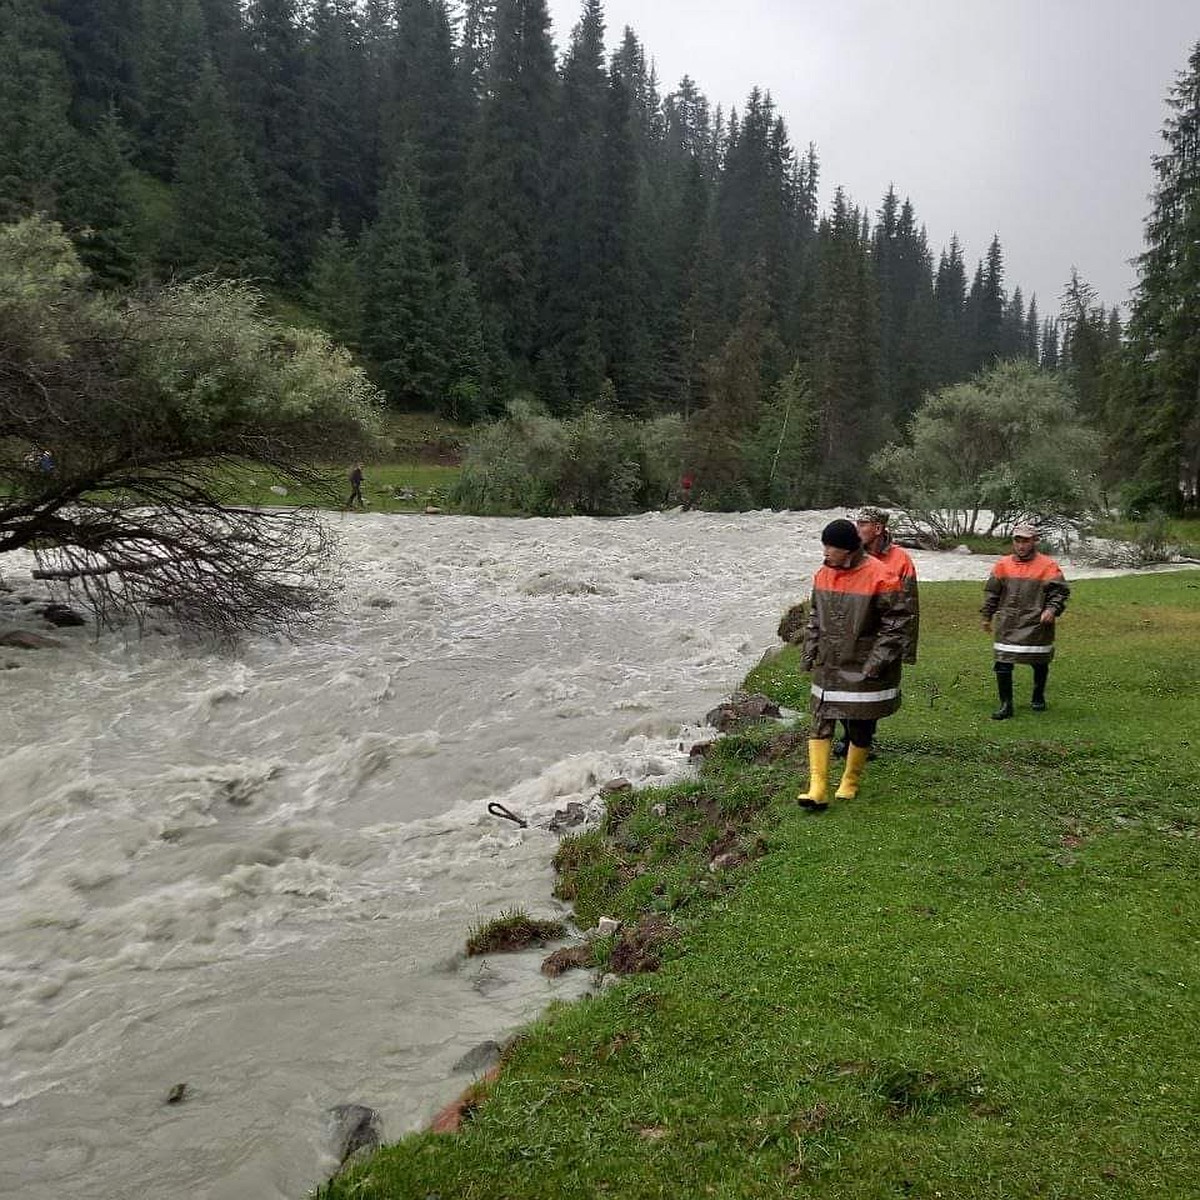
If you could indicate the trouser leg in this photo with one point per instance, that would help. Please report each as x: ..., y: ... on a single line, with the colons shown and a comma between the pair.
x: 1041, y: 672
x: 1004, y: 685
x: 842, y: 744
x: 861, y: 733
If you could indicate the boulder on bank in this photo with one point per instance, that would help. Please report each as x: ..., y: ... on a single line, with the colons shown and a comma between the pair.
x: 573, y: 815
x: 567, y: 959
x: 22, y: 639
x: 741, y: 709
x: 480, y: 1058
x: 353, y: 1131
x: 61, y: 616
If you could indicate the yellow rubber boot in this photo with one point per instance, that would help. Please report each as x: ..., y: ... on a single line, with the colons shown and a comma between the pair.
x: 856, y: 760
x: 817, y: 796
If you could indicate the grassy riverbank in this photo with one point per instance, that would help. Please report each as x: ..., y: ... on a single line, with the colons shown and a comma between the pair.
x: 981, y: 979
x: 416, y: 465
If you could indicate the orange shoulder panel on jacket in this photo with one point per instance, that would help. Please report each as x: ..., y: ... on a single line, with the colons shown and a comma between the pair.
x: 869, y: 578
x: 898, y: 560
x: 1040, y: 566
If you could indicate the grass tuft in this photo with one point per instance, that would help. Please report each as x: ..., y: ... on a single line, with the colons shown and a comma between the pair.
x: 513, y: 929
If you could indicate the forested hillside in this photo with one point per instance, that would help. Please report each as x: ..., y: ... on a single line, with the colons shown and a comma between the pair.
x: 479, y: 215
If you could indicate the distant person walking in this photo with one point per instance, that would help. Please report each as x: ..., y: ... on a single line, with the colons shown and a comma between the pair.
x: 858, y: 630
x: 1023, y: 598
x: 356, y: 482
x: 872, y: 525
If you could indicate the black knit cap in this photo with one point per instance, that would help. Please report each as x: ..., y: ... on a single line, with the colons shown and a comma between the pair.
x: 841, y: 535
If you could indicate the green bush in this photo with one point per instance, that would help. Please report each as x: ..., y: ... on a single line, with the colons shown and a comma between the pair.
x: 595, y: 464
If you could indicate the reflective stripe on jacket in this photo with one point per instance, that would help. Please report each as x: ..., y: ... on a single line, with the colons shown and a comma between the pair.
x: 858, y: 628
x: 1014, y: 598
x: 897, y: 561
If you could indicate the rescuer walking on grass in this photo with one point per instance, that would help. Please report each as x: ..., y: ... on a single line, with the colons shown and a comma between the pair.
x: 1023, y: 598
x: 872, y: 526
x: 859, y: 626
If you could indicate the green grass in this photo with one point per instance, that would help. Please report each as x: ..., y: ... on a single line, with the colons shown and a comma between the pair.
x: 980, y: 979
x: 1180, y: 532
x: 419, y: 454
x: 383, y: 486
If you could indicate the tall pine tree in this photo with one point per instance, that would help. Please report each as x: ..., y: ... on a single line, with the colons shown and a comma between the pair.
x: 218, y: 223
x: 37, y: 142
x: 277, y: 107
x: 1158, y: 407
x: 507, y: 203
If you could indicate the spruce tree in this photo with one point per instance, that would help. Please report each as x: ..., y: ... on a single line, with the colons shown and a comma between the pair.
x: 574, y: 259
x: 739, y: 377
x: 950, y: 295
x: 988, y: 303
x: 98, y: 208
x: 687, y: 257
x: 170, y: 60
x: 402, y: 333
x: 428, y: 115
x: 907, y: 317
x: 218, y: 224
x: 468, y: 388
x: 754, y: 202
x: 277, y: 107
x: 1157, y: 411
x: 634, y: 268
x: 101, y: 50
x: 507, y: 201
x: 1083, y: 349
x: 1048, y: 359
x: 37, y: 142
x: 1029, y: 341
x: 344, y: 124
x: 475, y: 47
x: 335, y: 289
x: 842, y: 354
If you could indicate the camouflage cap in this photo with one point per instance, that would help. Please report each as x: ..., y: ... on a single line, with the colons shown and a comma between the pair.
x: 1024, y: 529
x: 877, y: 516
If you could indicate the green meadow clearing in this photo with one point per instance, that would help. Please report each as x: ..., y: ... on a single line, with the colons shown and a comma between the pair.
x: 980, y: 979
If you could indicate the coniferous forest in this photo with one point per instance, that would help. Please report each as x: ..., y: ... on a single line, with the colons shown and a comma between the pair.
x: 480, y: 216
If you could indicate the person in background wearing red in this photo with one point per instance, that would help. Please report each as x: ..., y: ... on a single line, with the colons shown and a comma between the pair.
x: 685, y: 488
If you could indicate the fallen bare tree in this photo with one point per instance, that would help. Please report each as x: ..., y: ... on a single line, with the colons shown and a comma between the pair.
x: 127, y: 423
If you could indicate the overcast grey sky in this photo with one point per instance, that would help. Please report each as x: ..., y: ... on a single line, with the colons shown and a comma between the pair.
x: 1033, y: 119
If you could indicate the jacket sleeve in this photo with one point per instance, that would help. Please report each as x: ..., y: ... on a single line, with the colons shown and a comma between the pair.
x: 914, y: 628
x: 895, y: 624
x: 992, y: 591
x: 1055, y: 594
x: 812, y: 635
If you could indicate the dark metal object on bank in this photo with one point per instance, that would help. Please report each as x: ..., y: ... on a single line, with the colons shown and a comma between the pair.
x: 498, y: 810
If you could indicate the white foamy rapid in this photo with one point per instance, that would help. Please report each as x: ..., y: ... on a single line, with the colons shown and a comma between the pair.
x: 254, y: 873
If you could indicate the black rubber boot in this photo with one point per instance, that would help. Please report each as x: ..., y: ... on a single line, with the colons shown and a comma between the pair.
x: 1041, y: 672
x: 1004, y: 684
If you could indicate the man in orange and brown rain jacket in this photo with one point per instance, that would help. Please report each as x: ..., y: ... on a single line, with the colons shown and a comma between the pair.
x: 1023, y: 597
x: 858, y: 629
x: 872, y: 525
